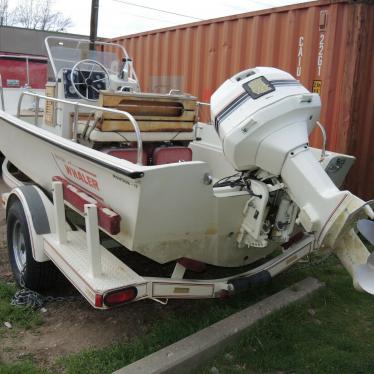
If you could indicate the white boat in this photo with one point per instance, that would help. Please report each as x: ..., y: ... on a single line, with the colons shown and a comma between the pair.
x: 141, y: 168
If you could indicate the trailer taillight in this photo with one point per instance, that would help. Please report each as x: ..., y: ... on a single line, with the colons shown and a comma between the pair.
x: 98, y: 300
x: 120, y: 296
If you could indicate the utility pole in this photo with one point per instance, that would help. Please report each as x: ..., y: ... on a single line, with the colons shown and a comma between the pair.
x: 94, y: 21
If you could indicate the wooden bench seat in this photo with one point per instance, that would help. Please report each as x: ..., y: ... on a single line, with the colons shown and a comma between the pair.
x: 153, y: 112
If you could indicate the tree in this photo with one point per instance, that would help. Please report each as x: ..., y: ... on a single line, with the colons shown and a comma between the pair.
x: 38, y: 14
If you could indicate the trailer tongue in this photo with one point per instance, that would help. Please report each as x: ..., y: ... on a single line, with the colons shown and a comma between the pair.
x: 139, y: 169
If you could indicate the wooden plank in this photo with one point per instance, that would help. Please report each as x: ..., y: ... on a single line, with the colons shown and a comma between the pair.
x: 146, y: 126
x: 183, y: 105
x: 113, y: 100
x: 186, y: 117
x: 151, y: 109
x: 153, y: 112
x: 142, y: 95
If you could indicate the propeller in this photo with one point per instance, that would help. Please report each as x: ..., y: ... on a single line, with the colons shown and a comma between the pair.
x: 365, y: 275
x: 366, y: 228
x: 365, y: 272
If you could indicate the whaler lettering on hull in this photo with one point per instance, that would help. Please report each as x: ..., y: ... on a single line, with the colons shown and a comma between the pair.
x: 77, y: 175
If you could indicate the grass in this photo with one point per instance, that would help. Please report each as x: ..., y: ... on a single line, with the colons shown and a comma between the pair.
x: 19, y: 317
x: 24, y: 367
x: 302, y: 338
x: 329, y: 333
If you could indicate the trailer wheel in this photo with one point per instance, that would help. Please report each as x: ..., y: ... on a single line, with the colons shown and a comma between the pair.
x: 27, y: 272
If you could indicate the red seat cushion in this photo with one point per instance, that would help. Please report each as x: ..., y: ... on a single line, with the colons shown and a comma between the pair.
x: 170, y: 155
x: 129, y: 154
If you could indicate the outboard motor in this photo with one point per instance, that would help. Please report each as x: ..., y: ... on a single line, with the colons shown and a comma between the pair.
x: 264, y: 117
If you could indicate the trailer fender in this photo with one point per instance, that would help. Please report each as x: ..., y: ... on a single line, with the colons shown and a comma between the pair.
x: 39, y: 215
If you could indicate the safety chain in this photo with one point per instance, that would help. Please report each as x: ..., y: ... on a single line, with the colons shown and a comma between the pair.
x: 29, y: 298
x: 34, y: 300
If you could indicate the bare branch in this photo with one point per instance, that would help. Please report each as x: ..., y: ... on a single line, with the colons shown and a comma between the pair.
x: 38, y: 14
x: 6, y: 18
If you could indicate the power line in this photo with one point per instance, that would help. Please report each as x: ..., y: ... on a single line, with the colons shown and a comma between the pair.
x: 149, y: 18
x: 158, y: 10
x: 263, y: 3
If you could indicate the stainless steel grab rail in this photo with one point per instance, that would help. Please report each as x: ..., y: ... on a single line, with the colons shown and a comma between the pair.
x: 78, y: 105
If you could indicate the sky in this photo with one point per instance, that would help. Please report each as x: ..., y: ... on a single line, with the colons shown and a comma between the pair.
x: 118, y: 17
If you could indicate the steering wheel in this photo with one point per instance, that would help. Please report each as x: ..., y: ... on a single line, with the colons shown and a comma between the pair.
x: 81, y: 82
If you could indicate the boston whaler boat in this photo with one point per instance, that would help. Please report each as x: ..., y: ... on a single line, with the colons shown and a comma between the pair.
x: 145, y: 174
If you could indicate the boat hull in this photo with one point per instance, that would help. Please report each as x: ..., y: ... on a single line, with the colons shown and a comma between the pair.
x: 167, y: 211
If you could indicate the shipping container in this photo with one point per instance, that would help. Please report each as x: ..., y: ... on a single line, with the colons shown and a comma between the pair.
x: 327, y: 45
x: 18, y: 70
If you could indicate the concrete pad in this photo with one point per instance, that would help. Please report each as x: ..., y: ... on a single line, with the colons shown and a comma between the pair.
x: 189, y: 353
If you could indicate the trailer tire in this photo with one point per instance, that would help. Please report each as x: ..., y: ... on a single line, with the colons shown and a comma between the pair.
x: 27, y: 272
x: 2, y: 158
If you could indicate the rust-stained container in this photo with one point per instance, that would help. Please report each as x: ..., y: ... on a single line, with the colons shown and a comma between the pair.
x: 328, y: 45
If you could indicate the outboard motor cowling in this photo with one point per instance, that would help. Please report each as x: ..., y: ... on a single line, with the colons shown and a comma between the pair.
x: 254, y: 113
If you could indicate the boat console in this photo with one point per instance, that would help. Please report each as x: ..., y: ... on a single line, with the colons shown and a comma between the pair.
x: 77, y: 82
x: 103, y: 75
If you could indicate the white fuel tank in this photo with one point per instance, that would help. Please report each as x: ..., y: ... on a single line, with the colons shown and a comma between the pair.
x: 261, y: 115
